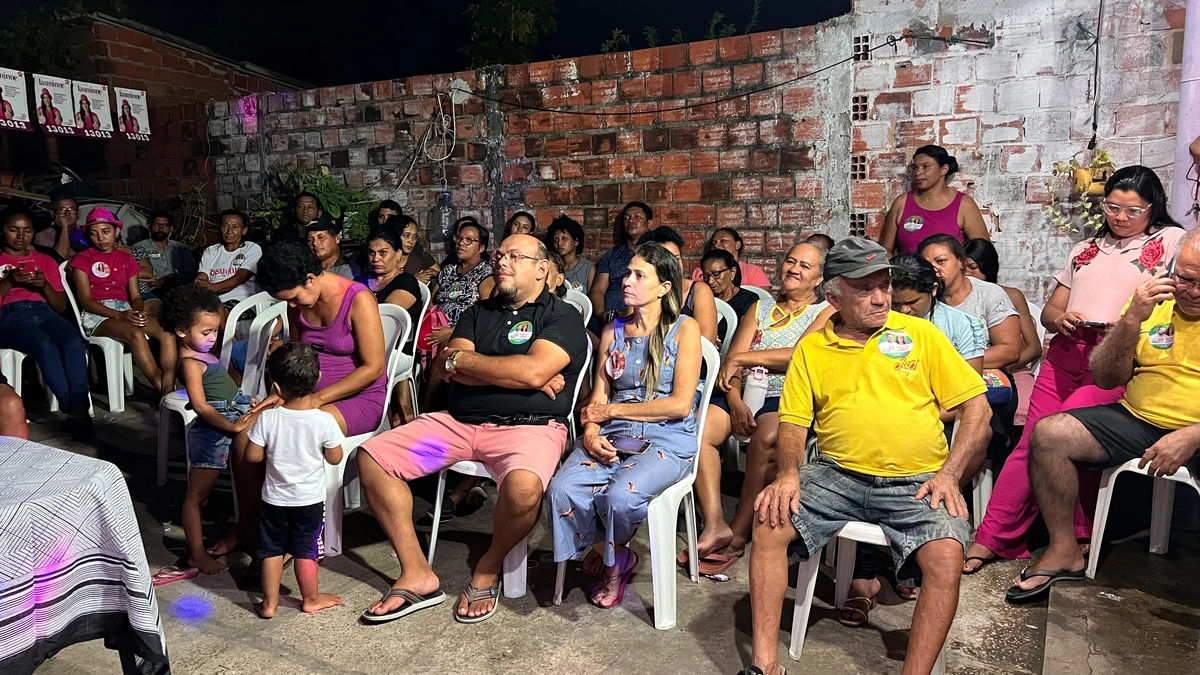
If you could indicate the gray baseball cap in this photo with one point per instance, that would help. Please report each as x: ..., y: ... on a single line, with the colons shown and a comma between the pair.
x: 856, y: 257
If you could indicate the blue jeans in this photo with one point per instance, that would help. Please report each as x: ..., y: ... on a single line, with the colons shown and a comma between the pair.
x: 54, y: 343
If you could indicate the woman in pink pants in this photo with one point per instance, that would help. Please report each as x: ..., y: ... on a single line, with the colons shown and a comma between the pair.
x: 1100, y: 276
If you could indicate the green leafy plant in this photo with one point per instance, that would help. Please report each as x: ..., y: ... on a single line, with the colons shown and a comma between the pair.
x: 650, y: 33
x: 339, y: 201
x: 753, y: 22
x: 39, y: 38
x: 718, y: 29
x: 1076, y: 189
x: 678, y: 36
x: 612, y: 44
x: 505, y: 31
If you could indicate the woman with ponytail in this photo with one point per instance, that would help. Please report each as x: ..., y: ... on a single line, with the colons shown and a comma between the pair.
x: 932, y: 206
x: 639, y: 430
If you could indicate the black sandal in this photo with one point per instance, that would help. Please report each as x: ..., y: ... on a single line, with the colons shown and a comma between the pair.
x: 983, y: 562
x: 1016, y: 594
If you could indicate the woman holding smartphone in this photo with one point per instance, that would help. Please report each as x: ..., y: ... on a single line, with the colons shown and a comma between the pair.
x: 1135, y: 243
x: 639, y: 429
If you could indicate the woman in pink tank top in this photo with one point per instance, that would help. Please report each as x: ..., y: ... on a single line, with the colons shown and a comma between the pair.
x: 341, y: 319
x: 1101, y: 273
x: 932, y: 207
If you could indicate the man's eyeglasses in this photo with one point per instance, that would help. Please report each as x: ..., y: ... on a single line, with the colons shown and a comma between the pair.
x: 1185, y: 281
x: 511, y: 256
x: 709, y: 276
x: 67, y: 209
x: 1114, y: 210
x: 465, y: 240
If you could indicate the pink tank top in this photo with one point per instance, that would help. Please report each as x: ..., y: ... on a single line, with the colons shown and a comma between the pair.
x: 335, y: 343
x: 917, y: 223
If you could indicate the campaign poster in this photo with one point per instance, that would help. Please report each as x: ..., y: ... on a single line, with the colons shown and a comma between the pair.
x: 133, y: 119
x: 14, y: 101
x: 93, y: 118
x: 55, y: 107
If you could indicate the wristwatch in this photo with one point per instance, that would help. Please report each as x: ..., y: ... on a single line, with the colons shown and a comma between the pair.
x: 452, y: 361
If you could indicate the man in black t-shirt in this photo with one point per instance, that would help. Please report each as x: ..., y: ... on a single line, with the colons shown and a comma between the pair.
x: 512, y: 363
x: 305, y: 210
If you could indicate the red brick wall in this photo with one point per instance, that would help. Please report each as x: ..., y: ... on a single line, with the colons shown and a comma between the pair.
x: 120, y: 56
x: 773, y: 164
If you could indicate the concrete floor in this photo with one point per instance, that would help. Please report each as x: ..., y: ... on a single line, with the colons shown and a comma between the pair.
x: 210, y: 628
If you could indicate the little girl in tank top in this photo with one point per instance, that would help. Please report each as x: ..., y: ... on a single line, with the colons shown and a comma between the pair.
x: 194, y: 314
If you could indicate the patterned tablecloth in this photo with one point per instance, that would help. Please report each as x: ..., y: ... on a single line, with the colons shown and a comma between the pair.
x: 72, y: 566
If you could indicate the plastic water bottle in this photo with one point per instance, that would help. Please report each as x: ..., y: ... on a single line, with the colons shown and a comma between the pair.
x: 441, y: 223
x: 754, y: 392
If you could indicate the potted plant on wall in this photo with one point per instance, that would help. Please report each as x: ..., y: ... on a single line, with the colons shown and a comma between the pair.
x: 1076, y: 191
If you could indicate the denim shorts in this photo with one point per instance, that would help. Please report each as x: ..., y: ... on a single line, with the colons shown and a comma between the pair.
x: 208, y: 446
x: 831, y: 497
x: 90, y: 322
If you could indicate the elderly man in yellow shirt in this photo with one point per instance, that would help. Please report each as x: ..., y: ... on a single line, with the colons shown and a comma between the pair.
x: 1152, y: 349
x: 871, y: 384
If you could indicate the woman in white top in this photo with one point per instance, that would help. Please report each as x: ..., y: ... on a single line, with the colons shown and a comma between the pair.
x: 228, y: 268
x: 976, y: 297
x: 765, y: 338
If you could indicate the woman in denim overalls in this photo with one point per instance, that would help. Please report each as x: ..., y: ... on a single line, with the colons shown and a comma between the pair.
x: 645, y: 390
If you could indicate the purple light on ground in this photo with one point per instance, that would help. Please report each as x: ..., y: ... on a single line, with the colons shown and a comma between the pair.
x: 191, y: 609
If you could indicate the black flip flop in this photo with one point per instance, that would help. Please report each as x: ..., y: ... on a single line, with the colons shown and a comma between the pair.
x: 983, y: 562
x: 1016, y: 594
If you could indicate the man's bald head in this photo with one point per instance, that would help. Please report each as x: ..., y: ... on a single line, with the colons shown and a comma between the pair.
x: 521, y: 268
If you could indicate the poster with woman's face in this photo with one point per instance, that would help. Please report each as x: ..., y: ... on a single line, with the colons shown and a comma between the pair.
x: 133, y: 120
x: 54, y: 106
x: 14, y: 101
x: 92, y: 116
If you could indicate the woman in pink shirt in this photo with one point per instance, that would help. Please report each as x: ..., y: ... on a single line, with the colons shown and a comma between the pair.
x: 727, y: 239
x: 31, y: 297
x: 110, y: 300
x: 931, y: 207
x: 1101, y: 274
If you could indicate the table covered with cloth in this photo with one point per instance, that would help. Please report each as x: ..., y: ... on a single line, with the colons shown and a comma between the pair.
x: 72, y: 565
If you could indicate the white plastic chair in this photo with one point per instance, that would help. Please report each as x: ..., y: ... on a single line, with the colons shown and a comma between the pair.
x: 1035, y: 311
x: 725, y: 313
x: 118, y: 361
x: 515, y: 562
x: 762, y: 293
x: 256, y: 303
x: 397, y: 324
x: 1162, y: 502
x: 806, y: 582
x: 580, y: 301
x: 262, y: 329
x: 409, y: 368
x: 662, y: 517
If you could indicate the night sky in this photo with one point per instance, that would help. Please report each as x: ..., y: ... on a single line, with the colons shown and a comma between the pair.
x: 342, y: 42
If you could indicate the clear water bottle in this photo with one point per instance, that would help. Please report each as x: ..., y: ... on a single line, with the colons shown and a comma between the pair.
x: 754, y: 392
x: 441, y: 225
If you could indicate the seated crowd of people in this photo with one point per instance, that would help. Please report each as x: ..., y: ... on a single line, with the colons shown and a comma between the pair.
x: 903, y: 359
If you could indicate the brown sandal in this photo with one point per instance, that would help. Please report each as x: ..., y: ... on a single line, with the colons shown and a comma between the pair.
x: 858, y: 609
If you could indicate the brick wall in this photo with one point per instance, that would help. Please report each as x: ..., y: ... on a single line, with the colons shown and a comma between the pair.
x: 774, y: 164
x: 124, y: 54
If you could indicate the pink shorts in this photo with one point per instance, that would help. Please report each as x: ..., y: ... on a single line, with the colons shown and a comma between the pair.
x: 435, y: 441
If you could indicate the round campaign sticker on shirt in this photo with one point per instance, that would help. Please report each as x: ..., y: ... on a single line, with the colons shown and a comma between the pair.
x: 895, y: 344
x: 914, y: 223
x: 615, y: 365
x: 520, y: 333
x: 239, y: 259
x: 1162, y: 336
x: 100, y: 270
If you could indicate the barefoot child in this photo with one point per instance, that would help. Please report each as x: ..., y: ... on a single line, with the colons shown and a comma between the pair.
x: 194, y: 313
x: 296, y: 439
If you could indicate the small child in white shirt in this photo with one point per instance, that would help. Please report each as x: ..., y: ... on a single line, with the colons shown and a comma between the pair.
x: 296, y: 439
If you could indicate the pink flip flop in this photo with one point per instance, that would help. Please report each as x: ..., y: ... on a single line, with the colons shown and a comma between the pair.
x: 173, y: 573
x: 624, y: 581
